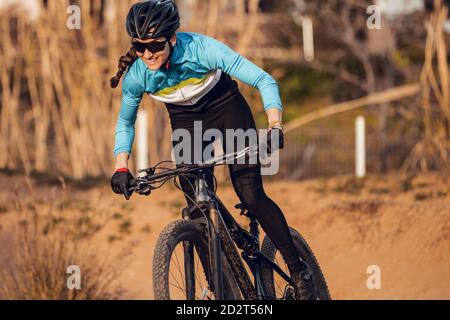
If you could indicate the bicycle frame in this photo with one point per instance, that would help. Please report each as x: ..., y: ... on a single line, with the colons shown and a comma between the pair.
x: 207, y: 201
x: 251, y: 253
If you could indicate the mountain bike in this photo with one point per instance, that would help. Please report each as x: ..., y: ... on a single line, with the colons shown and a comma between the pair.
x: 207, y: 255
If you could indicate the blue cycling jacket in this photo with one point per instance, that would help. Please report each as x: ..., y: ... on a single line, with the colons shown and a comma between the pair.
x: 195, y: 67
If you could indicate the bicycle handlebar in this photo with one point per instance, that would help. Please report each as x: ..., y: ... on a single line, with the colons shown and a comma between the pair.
x: 143, y: 185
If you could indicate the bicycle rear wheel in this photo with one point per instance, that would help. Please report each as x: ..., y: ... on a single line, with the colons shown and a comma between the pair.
x: 181, y: 265
x: 277, y: 287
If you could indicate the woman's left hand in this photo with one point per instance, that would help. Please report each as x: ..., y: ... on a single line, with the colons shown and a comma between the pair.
x: 275, y: 130
x: 275, y: 138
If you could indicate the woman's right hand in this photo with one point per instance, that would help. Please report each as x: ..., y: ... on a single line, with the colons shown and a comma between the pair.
x: 121, y: 182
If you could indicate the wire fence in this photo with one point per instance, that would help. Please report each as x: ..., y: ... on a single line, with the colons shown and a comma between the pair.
x: 318, y: 151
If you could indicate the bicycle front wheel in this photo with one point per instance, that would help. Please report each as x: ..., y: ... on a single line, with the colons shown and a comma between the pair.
x: 182, y: 268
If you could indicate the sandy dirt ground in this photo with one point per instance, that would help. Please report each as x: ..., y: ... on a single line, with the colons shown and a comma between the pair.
x: 400, y: 224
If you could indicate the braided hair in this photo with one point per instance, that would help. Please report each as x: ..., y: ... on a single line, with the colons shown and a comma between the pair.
x: 124, y: 62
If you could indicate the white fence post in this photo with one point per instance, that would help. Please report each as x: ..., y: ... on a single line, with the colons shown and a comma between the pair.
x: 142, y: 140
x: 308, y: 38
x: 360, y: 147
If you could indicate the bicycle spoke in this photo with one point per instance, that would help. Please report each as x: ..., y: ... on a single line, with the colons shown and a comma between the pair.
x: 202, y: 291
x: 178, y: 267
x: 203, y: 284
x: 181, y: 289
x: 176, y: 286
x: 174, y: 278
x: 281, y: 290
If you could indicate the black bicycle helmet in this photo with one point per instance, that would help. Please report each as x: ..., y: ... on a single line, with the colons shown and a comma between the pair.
x: 159, y: 16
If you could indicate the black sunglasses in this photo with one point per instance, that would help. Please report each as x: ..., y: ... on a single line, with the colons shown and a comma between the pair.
x: 153, y: 47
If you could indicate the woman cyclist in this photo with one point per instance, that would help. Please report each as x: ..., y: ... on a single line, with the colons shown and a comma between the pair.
x: 191, y: 74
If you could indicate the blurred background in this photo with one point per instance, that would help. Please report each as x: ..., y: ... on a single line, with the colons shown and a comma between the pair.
x: 58, y: 112
x: 372, y: 191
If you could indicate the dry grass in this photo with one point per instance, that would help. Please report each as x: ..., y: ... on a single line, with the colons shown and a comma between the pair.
x: 433, y: 151
x: 47, y: 237
x: 58, y: 112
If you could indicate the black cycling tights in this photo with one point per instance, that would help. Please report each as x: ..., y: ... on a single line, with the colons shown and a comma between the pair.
x: 231, y: 111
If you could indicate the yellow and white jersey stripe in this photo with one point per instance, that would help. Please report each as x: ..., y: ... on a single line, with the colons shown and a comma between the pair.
x: 190, y: 91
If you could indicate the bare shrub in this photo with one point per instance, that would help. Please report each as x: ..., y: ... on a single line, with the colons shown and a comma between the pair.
x: 44, y: 241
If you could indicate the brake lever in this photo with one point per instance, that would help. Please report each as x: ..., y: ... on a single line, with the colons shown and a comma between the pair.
x: 139, y: 189
x: 148, y: 171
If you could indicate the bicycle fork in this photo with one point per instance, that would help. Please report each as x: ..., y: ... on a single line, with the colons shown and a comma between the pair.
x: 202, y: 196
x: 216, y: 256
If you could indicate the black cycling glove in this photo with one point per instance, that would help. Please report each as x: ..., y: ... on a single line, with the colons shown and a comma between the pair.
x: 121, y: 182
x: 277, y: 144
